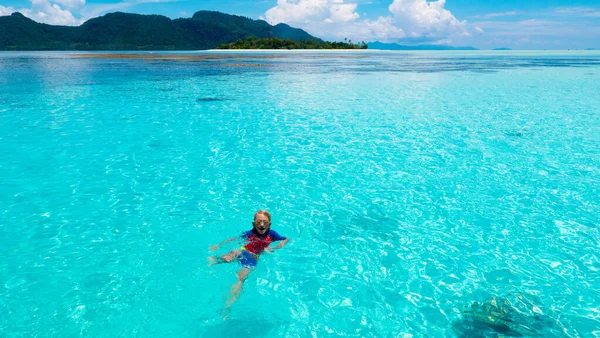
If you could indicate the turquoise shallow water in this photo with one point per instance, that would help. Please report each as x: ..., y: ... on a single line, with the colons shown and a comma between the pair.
x: 411, y: 185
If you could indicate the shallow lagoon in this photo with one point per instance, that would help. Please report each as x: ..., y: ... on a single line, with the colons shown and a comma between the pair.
x: 412, y: 184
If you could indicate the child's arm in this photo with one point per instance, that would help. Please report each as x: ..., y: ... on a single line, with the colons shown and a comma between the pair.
x: 281, y: 244
x: 216, y: 246
x: 277, y: 237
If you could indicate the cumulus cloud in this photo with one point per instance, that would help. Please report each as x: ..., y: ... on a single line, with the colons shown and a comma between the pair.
x: 422, y: 18
x: 343, y: 13
x: 381, y: 29
x: 334, y: 19
x: 50, y: 13
x: 305, y: 11
x: 6, y: 10
x: 72, y: 4
x: 338, y: 19
x: 45, y: 11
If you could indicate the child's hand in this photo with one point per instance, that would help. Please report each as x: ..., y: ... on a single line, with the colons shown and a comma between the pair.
x: 271, y: 249
x: 214, y: 247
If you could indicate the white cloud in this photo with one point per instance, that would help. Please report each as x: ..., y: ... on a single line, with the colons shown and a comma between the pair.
x: 381, y: 29
x: 337, y: 19
x: 421, y: 18
x: 537, y: 22
x: 6, y: 10
x: 71, y: 4
x: 343, y: 13
x: 300, y: 12
x: 442, y: 42
x: 494, y: 15
x: 51, y: 13
x: 578, y: 11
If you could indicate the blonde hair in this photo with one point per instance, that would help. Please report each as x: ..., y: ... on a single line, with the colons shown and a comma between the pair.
x: 263, y: 212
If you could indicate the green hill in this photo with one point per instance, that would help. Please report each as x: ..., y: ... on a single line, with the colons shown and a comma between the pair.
x: 20, y: 33
x: 283, y: 31
x: 123, y: 31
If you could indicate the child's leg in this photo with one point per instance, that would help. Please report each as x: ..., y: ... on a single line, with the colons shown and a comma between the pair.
x: 230, y: 257
x: 237, y: 287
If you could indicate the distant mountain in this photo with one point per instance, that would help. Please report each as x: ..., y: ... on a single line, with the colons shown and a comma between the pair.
x: 502, y: 48
x: 590, y: 49
x: 395, y: 46
x: 123, y: 31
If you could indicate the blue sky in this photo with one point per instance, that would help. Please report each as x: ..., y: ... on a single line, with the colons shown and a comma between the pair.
x: 483, y: 24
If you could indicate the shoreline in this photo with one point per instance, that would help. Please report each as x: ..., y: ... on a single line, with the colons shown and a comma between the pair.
x: 186, y: 51
x: 196, y: 56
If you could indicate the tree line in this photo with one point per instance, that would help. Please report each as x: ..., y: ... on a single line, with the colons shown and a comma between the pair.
x: 277, y: 43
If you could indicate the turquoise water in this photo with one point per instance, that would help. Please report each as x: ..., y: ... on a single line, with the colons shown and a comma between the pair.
x: 411, y: 185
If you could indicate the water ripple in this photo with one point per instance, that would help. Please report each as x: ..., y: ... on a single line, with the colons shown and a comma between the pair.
x: 415, y: 188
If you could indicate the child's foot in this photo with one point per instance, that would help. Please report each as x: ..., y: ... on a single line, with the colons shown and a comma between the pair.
x: 212, y: 260
x: 225, y: 312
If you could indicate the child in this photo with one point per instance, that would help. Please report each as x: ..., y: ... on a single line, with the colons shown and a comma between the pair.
x: 257, y: 241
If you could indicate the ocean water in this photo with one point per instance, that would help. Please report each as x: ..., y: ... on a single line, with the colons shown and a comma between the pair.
x: 413, y: 186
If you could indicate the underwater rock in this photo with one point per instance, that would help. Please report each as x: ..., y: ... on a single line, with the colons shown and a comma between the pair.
x: 516, y: 133
x: 497, y: 317
x: 210, y: 99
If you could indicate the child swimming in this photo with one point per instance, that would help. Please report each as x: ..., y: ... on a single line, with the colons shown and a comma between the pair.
x: 257, y: 241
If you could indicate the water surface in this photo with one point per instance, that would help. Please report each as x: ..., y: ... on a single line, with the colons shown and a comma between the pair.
x: 412, y: 184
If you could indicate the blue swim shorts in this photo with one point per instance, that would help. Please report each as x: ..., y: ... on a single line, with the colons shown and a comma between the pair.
x: 248, y: 260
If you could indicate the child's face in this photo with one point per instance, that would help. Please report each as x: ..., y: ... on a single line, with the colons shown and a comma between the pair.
x: 261, y: 224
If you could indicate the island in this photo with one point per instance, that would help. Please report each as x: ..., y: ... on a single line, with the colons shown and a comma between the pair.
x: 276, y: 43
